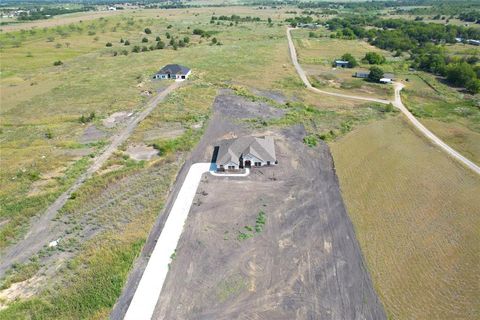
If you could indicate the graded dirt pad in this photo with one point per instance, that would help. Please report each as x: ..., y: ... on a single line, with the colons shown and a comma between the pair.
x: 237, y: 107
x: 304, y: 264
x: 116, y: 118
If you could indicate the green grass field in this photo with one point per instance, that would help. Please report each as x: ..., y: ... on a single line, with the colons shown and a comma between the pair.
x: 413, y: 212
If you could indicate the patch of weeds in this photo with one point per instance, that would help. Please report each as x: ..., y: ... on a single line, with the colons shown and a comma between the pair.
x: 250, y: 231
x: 20, y: 272
x: 310, y: 140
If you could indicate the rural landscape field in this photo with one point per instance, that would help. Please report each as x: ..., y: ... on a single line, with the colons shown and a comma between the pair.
x: 115, y: 202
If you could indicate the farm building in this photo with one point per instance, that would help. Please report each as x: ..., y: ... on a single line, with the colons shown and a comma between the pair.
x: 245, y: 152
x: 341, y: 64
x: 365, y: 74
x: 173, y: 71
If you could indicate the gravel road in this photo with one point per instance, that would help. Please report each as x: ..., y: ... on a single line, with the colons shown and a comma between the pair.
x: 397, y: 102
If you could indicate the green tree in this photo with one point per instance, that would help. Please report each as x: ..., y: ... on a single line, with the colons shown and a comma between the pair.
x: 352, y: 62
x: 376, y: 73
x: 373, y: 58
x: 460, y: 73
x: 473, y: 86
x: 127, y: 43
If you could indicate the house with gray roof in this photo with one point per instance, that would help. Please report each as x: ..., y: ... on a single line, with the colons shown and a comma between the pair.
x: 245, y: 152
x: 173, y: 71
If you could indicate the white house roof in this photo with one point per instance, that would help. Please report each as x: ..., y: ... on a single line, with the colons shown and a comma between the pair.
x: 231, y: 150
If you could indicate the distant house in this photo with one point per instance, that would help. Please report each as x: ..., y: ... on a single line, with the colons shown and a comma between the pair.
x: 245, y: 152
x: 361, y: 74
x: 308, y: 25
x: 365, y: 74
x: 473, y: 42
x: 173, y: 71
x: 341, y: 63
x: 385, y: 80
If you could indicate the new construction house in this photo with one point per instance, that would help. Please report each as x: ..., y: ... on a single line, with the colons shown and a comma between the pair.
x: 245, y: 152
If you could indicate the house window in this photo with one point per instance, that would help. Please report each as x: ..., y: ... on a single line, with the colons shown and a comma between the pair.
x: 231, y: 167
x: 268, y: 163
x: 258, y: 164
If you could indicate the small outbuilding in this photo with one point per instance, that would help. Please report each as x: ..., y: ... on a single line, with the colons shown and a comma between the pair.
x: 173, y: 71
x: 341, y: 64
x: 245, y: 152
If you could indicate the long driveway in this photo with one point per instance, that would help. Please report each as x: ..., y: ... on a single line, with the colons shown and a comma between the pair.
x: 397, y: 102
x: 41, y: 231
x: 146, y: 296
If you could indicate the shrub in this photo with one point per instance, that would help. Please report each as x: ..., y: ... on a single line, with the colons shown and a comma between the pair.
x: 58, y: 63
x: 148, y: 31
x: 127, y: 43
x: 157, y: 38
x: 144, y: 48
x: 352, y: 62
x: 376, y: 74
x: 160, y: 45
x: 144, y: 40
x: 122, y: 41
x: 373, y: 58
x: 214, y: 40
x: 108, y: 44
x: 310, y: 141
x: 136, y: 49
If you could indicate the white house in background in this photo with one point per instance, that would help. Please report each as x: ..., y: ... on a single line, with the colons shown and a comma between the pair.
x: 245, y: 152
x: 173, y: 71
x: 385, y: 80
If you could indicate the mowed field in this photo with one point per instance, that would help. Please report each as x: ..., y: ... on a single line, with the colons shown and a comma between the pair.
x: 416, y: 216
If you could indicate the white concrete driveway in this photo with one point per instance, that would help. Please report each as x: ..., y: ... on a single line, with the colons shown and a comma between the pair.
x: 146, y: 296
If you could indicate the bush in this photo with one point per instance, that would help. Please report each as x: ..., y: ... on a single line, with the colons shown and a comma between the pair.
x: 148, y: 31
x: 310, y: 141
x: 144, y: 40
x: 108, y: 44
x: 136, y: 49
x: 144, y: 49
x: 157, y: 38
x: 214, y: 40
x: 374, y: 58
x: 58, y: 63
x: 352, y: 62
x: 376, y: 74
x: 127, y: 43
x: 160, y: 45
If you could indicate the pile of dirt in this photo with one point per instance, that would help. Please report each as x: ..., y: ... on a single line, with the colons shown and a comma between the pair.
x: 141, y: 152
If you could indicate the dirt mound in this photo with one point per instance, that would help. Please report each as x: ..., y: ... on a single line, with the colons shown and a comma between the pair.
x: 141, y: 152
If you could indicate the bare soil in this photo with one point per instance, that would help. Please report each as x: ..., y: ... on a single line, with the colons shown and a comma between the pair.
x: 305, y: 263
x: 92, y: 134
x: 141, y: 152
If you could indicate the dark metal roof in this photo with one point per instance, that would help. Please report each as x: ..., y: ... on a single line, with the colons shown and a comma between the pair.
x: 174, y: 69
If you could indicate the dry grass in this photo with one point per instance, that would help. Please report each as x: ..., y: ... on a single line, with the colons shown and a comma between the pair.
x: 415, y: 215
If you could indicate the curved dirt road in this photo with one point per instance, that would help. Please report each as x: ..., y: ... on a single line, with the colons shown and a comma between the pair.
x: 397, y: 102
x: 42, y: 230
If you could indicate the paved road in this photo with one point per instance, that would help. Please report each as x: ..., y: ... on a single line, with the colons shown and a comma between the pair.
x: 397, y: 102
x: 41, y: 230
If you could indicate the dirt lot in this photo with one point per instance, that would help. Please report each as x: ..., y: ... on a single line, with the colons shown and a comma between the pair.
x: 305, y: 263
